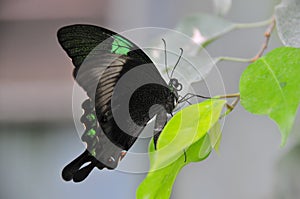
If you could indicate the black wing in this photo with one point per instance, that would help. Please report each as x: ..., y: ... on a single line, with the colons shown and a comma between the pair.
x: 101, y: 57
x: 81, y: 41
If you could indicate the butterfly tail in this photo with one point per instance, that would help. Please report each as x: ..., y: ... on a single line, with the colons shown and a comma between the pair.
x: 74, y: 170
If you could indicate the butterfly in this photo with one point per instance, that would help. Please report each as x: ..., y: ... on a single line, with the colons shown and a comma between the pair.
x: 119, y: 105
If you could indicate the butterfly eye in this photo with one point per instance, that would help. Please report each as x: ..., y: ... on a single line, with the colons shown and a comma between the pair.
x: 179, y: 87
x: 175, y: 84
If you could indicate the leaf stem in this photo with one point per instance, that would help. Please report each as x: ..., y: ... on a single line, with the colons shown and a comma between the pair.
x: 234, y: 59
x: 254, y: 25
x: 232, y: 95
x: 271, y: 22
x: 231, y: 106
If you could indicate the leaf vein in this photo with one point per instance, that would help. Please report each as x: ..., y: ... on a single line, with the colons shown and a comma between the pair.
x: 276, y: 80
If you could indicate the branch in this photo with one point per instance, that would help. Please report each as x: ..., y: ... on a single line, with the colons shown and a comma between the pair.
x: 267, y: 35
x: 267, y: 39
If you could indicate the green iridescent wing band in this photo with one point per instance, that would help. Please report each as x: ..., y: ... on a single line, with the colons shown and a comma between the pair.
x: 80, y: 40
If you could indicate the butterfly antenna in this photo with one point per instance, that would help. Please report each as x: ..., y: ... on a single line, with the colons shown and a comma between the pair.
x: 166, y: 64
x: 177, y: 62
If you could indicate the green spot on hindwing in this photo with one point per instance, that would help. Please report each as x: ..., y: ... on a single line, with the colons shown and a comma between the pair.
x: 91, y: 132
x: 91, y: 117
x: 89, y: 120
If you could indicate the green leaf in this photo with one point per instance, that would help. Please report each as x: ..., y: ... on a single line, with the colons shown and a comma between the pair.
x: 183, y: 140
x: 271, y: 86
x: 287, y: 15
x: 158, y: 184
x: 185, y: 128
x: 215, y: 135
x: 204, y: 28
x: 217, y: 145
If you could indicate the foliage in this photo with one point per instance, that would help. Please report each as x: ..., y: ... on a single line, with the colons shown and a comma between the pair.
x: 183, y: 140
x: 270, y: 86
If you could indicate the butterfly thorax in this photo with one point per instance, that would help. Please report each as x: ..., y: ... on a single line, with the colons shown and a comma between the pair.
x: 148, y: 100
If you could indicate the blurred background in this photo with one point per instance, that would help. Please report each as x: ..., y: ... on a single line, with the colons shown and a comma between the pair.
x: 37, y: 132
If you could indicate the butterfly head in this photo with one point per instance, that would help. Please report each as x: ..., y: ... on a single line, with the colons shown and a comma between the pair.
x: 174, y: 85
x: 172, y: 100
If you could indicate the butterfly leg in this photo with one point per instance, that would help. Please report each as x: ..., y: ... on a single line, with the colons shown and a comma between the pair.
x: 160, y: 122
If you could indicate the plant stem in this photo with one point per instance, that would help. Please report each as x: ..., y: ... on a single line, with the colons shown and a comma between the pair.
x: 231, y: 106
x: 232, y: 95
x: 267, y: 39
x: 254, y: 25
x: 234, y: 59
x: 238, y: 26
x: 271, y: 22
